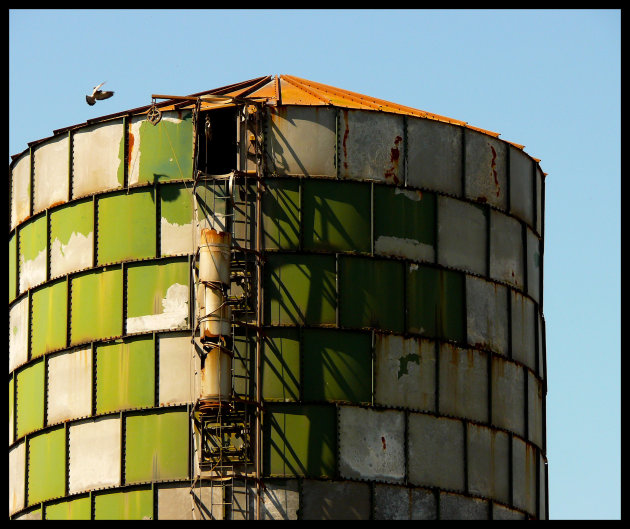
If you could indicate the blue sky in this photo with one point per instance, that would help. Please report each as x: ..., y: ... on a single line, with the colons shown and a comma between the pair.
x: 547, y: 79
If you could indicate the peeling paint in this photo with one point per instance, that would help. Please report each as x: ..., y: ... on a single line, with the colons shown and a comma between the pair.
x: 51, y: 173
x: 411, y: 194
x: 404, y: 361
x: 73, y: 256
x: 33, y: 271
x: 18, y: 337
x: 176, y: 238
x: 174, y: 315
x: 409, y: 248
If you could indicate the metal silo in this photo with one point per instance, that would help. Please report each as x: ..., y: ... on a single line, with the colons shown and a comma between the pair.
x: 276, y: 300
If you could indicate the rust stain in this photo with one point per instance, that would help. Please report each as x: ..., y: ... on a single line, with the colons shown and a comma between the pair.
x: 383, y: 441
x: 130, y: 148
x: 493, y: 164
x: 394, y: 157
x: 345, y: 137
x: 57, y: 203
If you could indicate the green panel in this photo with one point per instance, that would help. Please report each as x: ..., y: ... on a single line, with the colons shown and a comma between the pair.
x: 77, y: 509
x: 126, y: 226
x: 96, y: 306
x: 166, y: 149
x: 12, y: 267
x: 176, y: 205
x: 244, y: 348
x: 156, y: 446
x: 49, y: 318
x: 77, y: 217
x: 32, y: 239
x: 281, y: 365
x: 452, y: 316
x: 371, y: 293
x: 46, y: 465
x: 397, y: 215
x: 31, y: 382
x: 281, y: 214
x: 147, y: 285
x: 338, y: 365
x: 125, y: 375
x: 299, y: 289
x: 337, y: 216
x: 299, y: 440
x: 131, y: 505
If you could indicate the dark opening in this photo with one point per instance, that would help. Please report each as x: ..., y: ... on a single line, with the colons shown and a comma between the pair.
x: 216, y: 141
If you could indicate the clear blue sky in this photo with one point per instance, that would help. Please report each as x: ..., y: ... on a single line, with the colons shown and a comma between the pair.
x: 548, y: 79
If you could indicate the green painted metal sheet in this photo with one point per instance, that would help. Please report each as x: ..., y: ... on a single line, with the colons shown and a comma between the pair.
x: 77, y: 217
x: 46, y: 465
x: 371, y: 293
x: 76, y: 509
x: 130, y: 505
x: 176, y: 204
x: 281, y: 214
x: 452, y: 317
x: 12, y: 267
x: 49, y: 320
x: 281, y: 365
x: 31, y: 382
x: 299, y: 440
x: 32, y: 238
x: 126, y: 226
x: 156, y: 446
x: 96, y: 305
x: 338, y: 365
x: 125, y: 375
x: 299, y: 289
x: 336, y: 216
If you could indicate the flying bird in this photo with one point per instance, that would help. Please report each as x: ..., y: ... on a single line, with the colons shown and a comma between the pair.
x: 98, y: 94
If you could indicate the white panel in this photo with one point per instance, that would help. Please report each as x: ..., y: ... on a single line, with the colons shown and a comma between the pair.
x: 506, y: 249
x: 94, y: 454
x: 18, y: 333
x: 176, y: 239
x: 178, y: 365
x: 69, y: 385
x: 176, y: 502
x: 76, y: 255
x: 17, y: 468
x: 487, y: 311
x: 51, y: 173
x: 21, y: 190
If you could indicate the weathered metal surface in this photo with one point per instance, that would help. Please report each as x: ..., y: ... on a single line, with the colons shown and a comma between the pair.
x: 463, y: 380
x: 393, y: 502
x: 488, y: 457
x: 74, y: 509
x: 215, y: 312
x: 540, y: 179
x: 334, y: 500
x: 96, y: 305
x: 125, y: 374
x: 157, y: 296
x: 456, y: 507
x: 72, y: 238
x: 11, y: 410
x: 21, y: 190
x: 370, y: 146
x: 404, y: 372
x: 521, y: 186
x: 281, y: 214
x: 435, y: 453
x: 214, y: 256
x: 487, y: 313
x: 523, y: 313
x: 534, y: 264
x: 371, y: 293
x: 371, y: 444
x: 129, y: 505
x: 485, y: 169
x: 301, y: 141
x: 216, y: 376
x: 126, y: 226
x: 49, y: 318
x: 508, y: 400
x: 17, y: 475
x: 174, y: 502
x: 542, y: 488
x: 18, y: 333
x: 176, y: 222
x: 46, y: 465
x: 506, y: 249
x: 434, y: 155
x: 212, y: 206
x: 524, y: 461
x: 336, y: 216
x: 69, y: 385
x: 30, y: 398
x: 500, y: 512
x: 541, y: 346
x: 178, y: 364
x: 462, y: 235
x: 404, y: 223
x: 12, y: 267
x: 534, y: 410
x: 156, y: 446
x: 32, y: 253
x: 94, y: 454
x: 280, y: 500
x: 281, y: 371
x: 98, y: 158
x: 51, y: 173
x: 32, y: 514
x: 299, y: 440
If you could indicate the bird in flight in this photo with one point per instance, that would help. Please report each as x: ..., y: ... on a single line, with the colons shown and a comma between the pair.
x: 98, y: 94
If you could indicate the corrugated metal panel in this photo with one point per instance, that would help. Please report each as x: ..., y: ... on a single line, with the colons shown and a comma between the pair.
x: 523, y: 313
x: 456, y: 507
x: 17, y: 475
x: 508, y: 399
x: 534, y: 265
x: 534, y: 410
x: 338, y: 365
x: 488, y: 457
x: 126, y: 226
x: 46, y: 465
x: 371, y: 444
x: 131, y: 505
x: 506, y: 249
x: 125, y: 374
x: 524, y: 461
x: 176, y: 225
x: 330, y: 500
x: 178, y: 364
x: 486, y: 176
x: 96, y: 305
x: 12, y: 267
x: 281, y: 373
x: 156, y: 446
x: 18, y: 333
x: 30, y: 398
x: 281, y: 214
x: 75, y: 509
x: 521, y: 186
x: 69, y: 385
x: 98, y: 153
x: 51, y: 173
x: 49, y: 319
x: 21, y: 190
x: 33, y: 244
x: 486, y: 308
x: 72, y: 238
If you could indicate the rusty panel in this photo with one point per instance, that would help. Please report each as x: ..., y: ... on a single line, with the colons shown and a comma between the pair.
x: 486, y: 177
x: 534, y: 264
x: 17, y: 476
x: 281, y: 365
x: 49, y: 318
x: 51, y: 168
x: 435, y: 451
x: 508, y: 399
x: 72, y: 238
x: 18, y: 333
x: 281, y: 214
x: 46, y: 465
x: 74, y: 509
x: 523, y: 313
x: 334, y: 500
x: 98, y: 153
x: 463, y: 380
x: 371, y: 444
x: 370, y: 146
x: 94, y: 454
x: 178, y: 364
x: 404, y: 372
x: 69, y: 385
x: 393, y: 502
x: 21, y: 190
x: 524, y: 461
x: 176, y: 223
x: 506, y: 249
x: 487, y: 313
x: 456, y: 507
x: 488, y: 457
x: 301, y: 140
x: 174, y: 501
x: 30, y: 398
x: 462, y: 235
x: 32, y: 246
x: 521, y: 185
x: 12, y: 266
x: 534, y: 410
x: 136, y: 504
x: 434, y: 155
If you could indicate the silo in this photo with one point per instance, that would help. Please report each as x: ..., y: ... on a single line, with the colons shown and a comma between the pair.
x: 276, y: 300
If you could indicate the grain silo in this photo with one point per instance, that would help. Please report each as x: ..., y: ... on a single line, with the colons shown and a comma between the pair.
x: 276, y: 299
